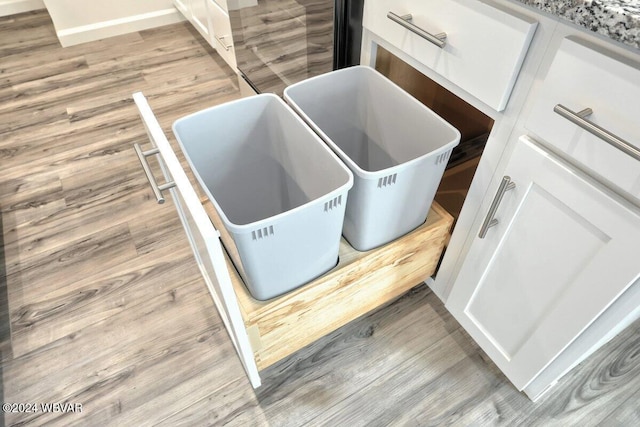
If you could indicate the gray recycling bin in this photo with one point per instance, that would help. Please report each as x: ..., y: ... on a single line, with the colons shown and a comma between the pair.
x: 279, y: 190
x: 396, y: 147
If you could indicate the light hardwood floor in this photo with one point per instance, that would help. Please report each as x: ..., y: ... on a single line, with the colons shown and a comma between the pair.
x: 107, y: 308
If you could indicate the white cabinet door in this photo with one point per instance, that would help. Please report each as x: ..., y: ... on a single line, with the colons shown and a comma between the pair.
x: 563, y: 249
x: 221, y: 33
x: 197, y: 13
x: 200, y: 15
x: 204, y: 240
x: 184, y: 6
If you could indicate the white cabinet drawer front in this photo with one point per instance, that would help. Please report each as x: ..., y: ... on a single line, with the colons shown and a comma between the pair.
x: 581, y: 77
x: 203, y: 238
x: 221, y: 28
x: 484, y: 48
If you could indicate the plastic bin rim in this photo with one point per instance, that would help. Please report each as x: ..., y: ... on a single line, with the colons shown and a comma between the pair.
x: 353, y: 166
x: 227, y: 104
x: 391, y: 169
x: 246, y: 228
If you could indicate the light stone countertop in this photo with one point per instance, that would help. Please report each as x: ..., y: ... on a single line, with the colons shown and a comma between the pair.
x: 616, y: 19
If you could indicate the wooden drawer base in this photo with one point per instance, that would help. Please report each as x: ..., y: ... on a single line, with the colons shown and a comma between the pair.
x: 361, y: 282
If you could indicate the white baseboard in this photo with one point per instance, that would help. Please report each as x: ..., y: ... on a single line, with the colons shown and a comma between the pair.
x: 115, y: 27
x: 11, y: 7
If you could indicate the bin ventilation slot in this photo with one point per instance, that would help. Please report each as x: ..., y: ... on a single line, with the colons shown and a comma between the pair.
x: 333, y: 203
x: 443, y: 157
x: 261, y: 233
x: 387, y: 180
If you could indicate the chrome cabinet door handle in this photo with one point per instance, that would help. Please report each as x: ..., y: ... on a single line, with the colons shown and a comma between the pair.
x: 405, y: 20
x: 157, y: 189
x: 580, y: 118
x: 490, y: 220
x: 221, y: 41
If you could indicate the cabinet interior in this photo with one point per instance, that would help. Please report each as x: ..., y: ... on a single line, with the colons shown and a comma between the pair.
x: 474, y: 126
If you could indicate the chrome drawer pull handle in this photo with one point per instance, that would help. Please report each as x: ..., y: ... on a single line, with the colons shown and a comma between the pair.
x: 221, y: 41
x: 489, y: 220
x: 157, y: 189
x: 580, y: 119
x: 405, y: 20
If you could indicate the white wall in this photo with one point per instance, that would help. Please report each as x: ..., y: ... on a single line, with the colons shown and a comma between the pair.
x: 11, y: 7
x: 79, y: 21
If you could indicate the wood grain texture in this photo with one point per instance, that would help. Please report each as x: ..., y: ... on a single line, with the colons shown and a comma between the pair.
x: 605, y: 384
x: 298, y: 389
x: 304, y: 25
x: 361, y: 282
x: 626, y: 414
x: 107, y: 307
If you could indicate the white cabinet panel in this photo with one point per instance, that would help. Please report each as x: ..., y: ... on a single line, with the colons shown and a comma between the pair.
x: 484, y: 47
x: 200, y: 15
x: 224, y: 6
x: 561, y: 253
x: 222, y: 38
x: 212, y: 22
x: 204, y: 240
x: 586, y: 76
x: 519, y: 280
x: 184, y: 6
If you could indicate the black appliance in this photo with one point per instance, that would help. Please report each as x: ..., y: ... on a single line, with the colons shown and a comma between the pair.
x: 281, y: 42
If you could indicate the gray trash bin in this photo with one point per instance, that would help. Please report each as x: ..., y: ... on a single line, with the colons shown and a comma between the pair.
x: 396, y: 147
x: 279, y: 190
